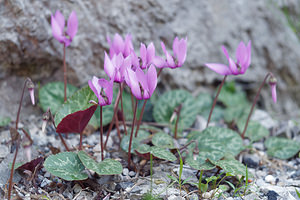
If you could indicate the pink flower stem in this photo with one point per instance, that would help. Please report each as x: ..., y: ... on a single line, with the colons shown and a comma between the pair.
x: 159, y: 72
x: 65, y: 75
x: 215, y: 100
x: 113, y: 118
x: 101, y: 134
x: 12, y: 171
x: 123, y: 116
x: 131, y: 135
x: 80, y: 141
x: 177, y: 120
x: 20, y: 104
x: 140, y: 118
x: 254, y: 103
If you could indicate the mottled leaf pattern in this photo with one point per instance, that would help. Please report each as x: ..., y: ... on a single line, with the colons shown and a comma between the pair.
x: 162, y: 153
x: 282, y: 148
x: 51, y: 95
x: 163, y: 140
x: 65, y: 165
x: 233, y: 167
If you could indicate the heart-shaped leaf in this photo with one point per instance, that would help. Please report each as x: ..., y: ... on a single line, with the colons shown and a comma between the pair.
x: 215, y: 142
x: 163, y: 140
x: 282, y: 148
x: 66, y: 165
x: 162, y: 153
x: 79, y: 107
x: 106, y: 167
x: 256, y: 131
x: 51, y: 95
x: 31, y: 165
x: 198, y: 163
x: 169, y: 101
x: 233, y: 167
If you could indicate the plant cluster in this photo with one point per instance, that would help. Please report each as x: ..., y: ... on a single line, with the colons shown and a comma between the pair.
x: 138, y: 72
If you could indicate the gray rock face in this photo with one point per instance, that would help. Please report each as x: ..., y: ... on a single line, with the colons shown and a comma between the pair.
x: 27, y: 47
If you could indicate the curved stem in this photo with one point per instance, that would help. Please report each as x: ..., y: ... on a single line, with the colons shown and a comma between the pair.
x: 20, y: 104
x: 123, y: 116
x: 254, y: 103
x: 131, y: 134
x: 140, y: 118
x: 159, y: 72
x: 215, y: 100
x: 65, y: 74
x: 177, y: 120
x: 113, y: 118
x: 80, y: 141
x: 12, y: 171
x: 101, y: 134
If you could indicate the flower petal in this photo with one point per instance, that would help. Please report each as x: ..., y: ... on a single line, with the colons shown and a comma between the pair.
x: 225, y: 52
x: 176, y: 47
x: 151, y: 79
x: 241, y: 54
x: 109, y: 68
x: 142, y: 78
x: 128, y: 46
x: 233, y: 68
x: 219, y: 68
x: 72, y: 25
x: 181, y: 52
x: 60, y: 19
x: 274, y: 94
x: 133, y: 83
x: 95, y: 86
x: 159, y: 62
x: 118, y: 44
x: 56, y: 30
x: 143, y: 55
x: 150, y: 53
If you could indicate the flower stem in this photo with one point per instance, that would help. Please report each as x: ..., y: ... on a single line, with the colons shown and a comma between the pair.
x: 215, y: 100
x: 159, y: 72
x: 254, y: 103
x: 113, y: 118
x: 65, y: 74
x: 177, y: 120
x: 140, y: 119
x: 20, y: 104
x: 80, y: 141
x: 12, y: 171
x: 123, y: 116
x: 101, y: 134
x: 131, y: 135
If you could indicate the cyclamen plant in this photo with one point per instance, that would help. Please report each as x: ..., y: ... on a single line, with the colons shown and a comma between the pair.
x: 64, y: 37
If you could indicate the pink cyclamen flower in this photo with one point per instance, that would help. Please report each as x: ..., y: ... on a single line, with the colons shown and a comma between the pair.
x: 103, y: 89
x: 58, y: 27
x: 142, y: 84
x: 115, y: 67
x: 272, y: 83
x: 243, y: 56
x: 179, y: 54
x: 118, y: 45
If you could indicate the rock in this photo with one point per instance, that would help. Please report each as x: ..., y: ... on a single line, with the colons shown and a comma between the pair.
x: 251, y: 160
x: 131, y: 173
x: 45, y: 182
x: 263, y: 118
x: 270, y: 179
x: 125, y: 171
x: 272, y: 195
x: 27, y: 44
x: 174, y: 197
x: 187, y: 174
x: 77, y: 188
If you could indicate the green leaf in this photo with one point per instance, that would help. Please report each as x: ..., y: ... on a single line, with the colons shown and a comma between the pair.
x: 65, y: 165
x: 238, y: 114
x: 298, y: 193
x: 78, y: 101
x: 199, y: 164
x: 51, y: 95
x: 163, y: 140
x: 143, y: 148
x: 4, y: 121
x: 162, y: 153
x: 166, y: 104
x: 282, y: 148
x: 256, y: 131
x: 107, y: 114
x: 232, y: 166
x: 106, y: 167
x: 142, y: 135
x: 215, y: 142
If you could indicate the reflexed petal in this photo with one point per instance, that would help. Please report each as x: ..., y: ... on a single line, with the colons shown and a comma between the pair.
x: 248, y: 61
x: 241, y: 54
x: 163, y: 47
x: 142, y: 78
x: 108, y: 89
x: 128, y: 45
x: 159, y: 62
x: 95, y: 86
x: 225, y: 52
x: 133, y: 83
x: 274, y: 94
x: 118, y: 44
x: 152, y: 79
x: 233, y: 68
x: 219, y: 68
x: 143, y: 55
x: 118, y: 61
x: 150, y: 52
x: 56, y: 31
x: 60, y: 19
x: 176, y: 47
x: 72, y: 25
x: 134, y: 60
x: 170, y: 60
x: 182, y: 48
x: 108, y: 66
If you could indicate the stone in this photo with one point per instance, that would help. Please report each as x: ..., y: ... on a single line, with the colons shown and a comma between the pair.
x: 251, y: 160
x: 174, y: 197
x: 270, y: 179
x: 272, y: 195
x: 131, y: 173
x: 125, y: 171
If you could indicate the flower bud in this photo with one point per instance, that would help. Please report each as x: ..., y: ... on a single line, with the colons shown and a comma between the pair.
x: 30, y: 87
x: 272, y: 83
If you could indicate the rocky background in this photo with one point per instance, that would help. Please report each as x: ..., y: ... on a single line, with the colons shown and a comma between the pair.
x: 27, y: 47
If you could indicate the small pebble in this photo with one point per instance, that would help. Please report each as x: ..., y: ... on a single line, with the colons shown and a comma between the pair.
x: 131, y: 173
x: 270, y: 179
x: 77, y: 188
x: 125, y: 171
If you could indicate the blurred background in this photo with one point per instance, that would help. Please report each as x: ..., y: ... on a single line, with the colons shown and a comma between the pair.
x: 27, y: 47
